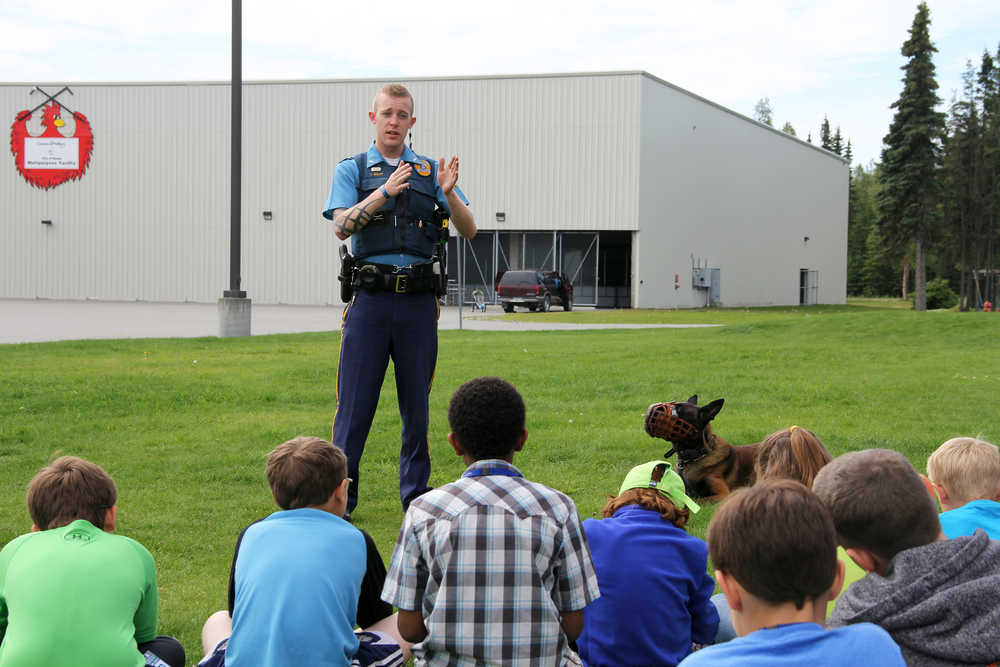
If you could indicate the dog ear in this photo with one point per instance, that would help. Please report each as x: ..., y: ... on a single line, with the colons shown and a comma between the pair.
x: 693, y: 400
x: 709, y: 411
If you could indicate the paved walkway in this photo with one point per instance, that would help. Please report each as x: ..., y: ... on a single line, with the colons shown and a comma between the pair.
x: 38, y: 320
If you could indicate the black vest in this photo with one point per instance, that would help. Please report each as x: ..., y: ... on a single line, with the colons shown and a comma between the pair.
x: 406, y: 223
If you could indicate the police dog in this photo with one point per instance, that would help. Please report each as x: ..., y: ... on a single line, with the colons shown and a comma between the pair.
x: 710, y: 466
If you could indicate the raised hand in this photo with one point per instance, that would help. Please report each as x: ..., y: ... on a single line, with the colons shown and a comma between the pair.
x: 448, y: 174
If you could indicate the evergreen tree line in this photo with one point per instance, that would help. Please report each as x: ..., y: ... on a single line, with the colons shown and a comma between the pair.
x: 763, y: 112
x: 931, y: 207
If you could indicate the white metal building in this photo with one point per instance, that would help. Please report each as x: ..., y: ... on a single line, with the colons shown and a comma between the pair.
x: 633, y: 187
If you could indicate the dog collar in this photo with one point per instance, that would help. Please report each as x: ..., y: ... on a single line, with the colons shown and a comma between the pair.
x: 683, y: 461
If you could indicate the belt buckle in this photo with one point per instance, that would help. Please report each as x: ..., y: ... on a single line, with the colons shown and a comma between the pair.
x: 401, y: 283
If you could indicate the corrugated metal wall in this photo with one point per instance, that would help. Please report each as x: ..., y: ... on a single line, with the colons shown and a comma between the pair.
x: 150, y: 218
x: 720, y: 190
x: 147, y: 219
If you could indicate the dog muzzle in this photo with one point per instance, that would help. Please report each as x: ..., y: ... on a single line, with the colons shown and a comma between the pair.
x: 662, y: 421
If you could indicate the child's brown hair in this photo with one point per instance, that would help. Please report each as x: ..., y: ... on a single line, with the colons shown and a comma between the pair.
x: 878, y: 502
x: 68, y: 489
x: 777, y: 540
x: 304, y: 472
x: 792, y: 453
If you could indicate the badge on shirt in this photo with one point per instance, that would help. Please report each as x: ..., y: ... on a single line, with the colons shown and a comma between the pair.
x: 423, y: 167
x: 375, y: 170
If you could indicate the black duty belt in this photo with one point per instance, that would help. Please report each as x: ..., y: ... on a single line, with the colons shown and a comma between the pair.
x: 389, y: 278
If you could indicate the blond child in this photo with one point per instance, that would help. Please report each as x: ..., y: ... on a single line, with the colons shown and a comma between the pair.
x: 965, y: 474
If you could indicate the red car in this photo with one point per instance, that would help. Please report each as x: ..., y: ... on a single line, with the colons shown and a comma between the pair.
x: 536, y: 289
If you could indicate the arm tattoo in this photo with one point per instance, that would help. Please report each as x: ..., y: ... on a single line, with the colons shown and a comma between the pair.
x: 354, y: 219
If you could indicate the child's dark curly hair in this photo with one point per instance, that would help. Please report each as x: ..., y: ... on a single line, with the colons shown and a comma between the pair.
x: 487, y: 417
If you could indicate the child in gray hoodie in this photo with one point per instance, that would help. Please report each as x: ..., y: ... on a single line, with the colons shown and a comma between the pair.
x: 936, y: 597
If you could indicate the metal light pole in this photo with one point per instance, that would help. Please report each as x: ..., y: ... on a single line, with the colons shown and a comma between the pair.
x: 234, y: 306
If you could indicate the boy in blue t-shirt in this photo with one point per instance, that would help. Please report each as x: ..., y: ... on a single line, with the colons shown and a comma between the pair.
x: 774, y: 550
x: 303, y: 577
x: 965, y: 473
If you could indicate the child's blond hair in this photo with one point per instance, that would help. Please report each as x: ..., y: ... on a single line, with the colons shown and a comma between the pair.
x: 969, y: 468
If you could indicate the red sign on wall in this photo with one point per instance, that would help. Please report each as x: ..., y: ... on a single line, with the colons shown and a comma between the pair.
x: 51, y: 158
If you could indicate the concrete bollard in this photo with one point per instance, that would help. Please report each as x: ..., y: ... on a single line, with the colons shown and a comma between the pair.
x: 234, y: 317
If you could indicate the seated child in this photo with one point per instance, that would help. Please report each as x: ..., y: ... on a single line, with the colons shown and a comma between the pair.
x: 491, y: 568
x: 71, y: 591
x: 303, y: 577
x: 791, y: 453
x: 773, y: 547
x: 965, y: 473
x: 641, y: 552
x: 936, y: 597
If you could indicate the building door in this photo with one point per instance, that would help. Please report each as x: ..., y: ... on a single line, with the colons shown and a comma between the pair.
x: 808, y: 287
x: 579, y: 253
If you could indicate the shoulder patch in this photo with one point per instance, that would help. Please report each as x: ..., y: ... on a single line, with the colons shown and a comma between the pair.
x: 423, y: 167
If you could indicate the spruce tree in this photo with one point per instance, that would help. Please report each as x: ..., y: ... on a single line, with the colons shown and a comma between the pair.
x: 910, y: 155
x: 837, y: 143
x: 988, y: 97
x: 825, y: 140
x: 962, y: 201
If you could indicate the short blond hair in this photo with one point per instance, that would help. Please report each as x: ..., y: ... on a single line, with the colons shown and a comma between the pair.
x: 392, y: 90
x: 969, y: 468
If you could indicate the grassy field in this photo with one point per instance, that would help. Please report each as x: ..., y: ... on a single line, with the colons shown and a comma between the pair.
x: 184, y: 426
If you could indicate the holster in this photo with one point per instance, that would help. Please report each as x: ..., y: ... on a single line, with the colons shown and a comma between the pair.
x: 441, y: 255
x: 346, y: 276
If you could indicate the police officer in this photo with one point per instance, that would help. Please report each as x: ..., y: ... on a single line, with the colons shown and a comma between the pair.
x: 384, y: 200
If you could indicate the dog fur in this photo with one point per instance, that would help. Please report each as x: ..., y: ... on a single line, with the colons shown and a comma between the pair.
x: 710, y: 466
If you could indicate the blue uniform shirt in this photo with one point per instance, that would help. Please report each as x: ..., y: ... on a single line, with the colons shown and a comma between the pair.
x: 344, y: 194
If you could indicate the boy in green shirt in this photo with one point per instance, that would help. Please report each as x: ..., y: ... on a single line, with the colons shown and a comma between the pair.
x: 71, y: 591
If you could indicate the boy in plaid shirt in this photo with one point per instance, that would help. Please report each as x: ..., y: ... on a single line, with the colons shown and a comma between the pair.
x: 491, y: 568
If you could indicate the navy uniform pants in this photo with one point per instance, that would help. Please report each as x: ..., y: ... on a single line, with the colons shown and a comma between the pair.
x: 377, y: 326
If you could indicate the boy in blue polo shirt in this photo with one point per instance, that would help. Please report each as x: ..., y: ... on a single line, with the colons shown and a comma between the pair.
x: 774, y: 550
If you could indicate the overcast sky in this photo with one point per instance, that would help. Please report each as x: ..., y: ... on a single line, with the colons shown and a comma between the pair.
x: 839, y: 59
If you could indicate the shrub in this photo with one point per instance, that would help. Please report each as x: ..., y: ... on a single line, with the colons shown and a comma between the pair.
x: 940, y: 294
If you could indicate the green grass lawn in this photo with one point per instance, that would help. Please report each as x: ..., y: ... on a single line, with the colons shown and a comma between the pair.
x: 184, y: 426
